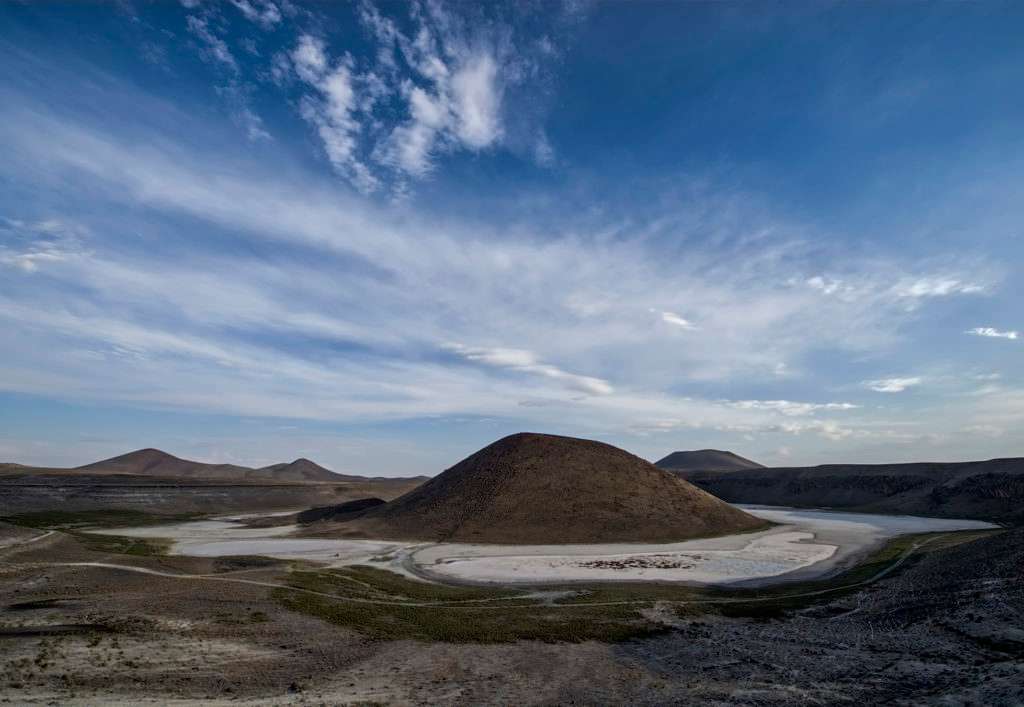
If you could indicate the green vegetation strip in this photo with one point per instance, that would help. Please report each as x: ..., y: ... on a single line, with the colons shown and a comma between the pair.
x: 77, y: 524
x: 520, y: 615
x: 120, y: 545
x: 102, y: 518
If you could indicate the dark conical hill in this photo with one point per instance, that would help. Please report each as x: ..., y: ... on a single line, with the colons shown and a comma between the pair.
x: 538, y: 489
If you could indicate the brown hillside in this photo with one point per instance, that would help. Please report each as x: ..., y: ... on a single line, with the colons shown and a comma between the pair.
x: 303, y: 470
x: 705, y: 460
x: 537, y: 489
x: 153, y: 462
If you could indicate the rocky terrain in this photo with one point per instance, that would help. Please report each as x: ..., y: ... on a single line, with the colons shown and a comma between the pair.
x: 705, y: 460
x: 942, y: 628
x: 988, y: 490
x: 537, y: 489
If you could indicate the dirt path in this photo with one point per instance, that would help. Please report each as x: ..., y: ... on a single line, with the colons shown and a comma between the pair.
x: 21, y: 543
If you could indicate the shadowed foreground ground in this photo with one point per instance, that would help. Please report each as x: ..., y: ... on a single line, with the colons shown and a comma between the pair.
x: 942, y: 627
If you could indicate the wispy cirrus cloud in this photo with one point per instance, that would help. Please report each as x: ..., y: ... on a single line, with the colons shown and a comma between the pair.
x: 920, y: 288
x: 451, y: 77
x: 528, y: 362
x: 893, y: 385
x: 212, y: 47
x: 790, y: 408
x: 993, y: 333
x: 910, y: 289
x: 387, y: 116
x: 457, y: 283
x: 32, y: 245
x: 341, y: 310
x: 333, y: 110
x: 263, y: 12
x: 675, y: 320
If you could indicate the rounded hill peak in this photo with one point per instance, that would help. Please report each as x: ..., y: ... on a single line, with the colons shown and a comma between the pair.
x: 538, y: 489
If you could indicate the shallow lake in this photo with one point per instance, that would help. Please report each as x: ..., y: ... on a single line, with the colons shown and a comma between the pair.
x: 805, y: 543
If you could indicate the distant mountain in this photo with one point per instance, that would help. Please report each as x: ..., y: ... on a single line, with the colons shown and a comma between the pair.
x: 988, y: 490
x: 303, y: 470
x: 705, y: 460
x: 538, y: 489
x: 153, y: 462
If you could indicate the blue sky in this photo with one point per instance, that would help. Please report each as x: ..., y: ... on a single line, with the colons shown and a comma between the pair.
x: 382, y: 236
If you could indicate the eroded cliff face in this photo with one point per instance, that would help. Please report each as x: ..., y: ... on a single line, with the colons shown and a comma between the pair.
x: 989, y: 490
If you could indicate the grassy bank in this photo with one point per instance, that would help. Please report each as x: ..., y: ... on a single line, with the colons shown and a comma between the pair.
x: 78, y: 523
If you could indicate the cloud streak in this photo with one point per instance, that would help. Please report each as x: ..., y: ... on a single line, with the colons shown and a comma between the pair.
x: 528, y: 362
x: 893, y: 385
x: 992, y: 333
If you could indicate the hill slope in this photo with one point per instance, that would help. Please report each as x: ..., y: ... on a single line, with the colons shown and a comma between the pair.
x: 303, y: 470
x: 989, y: 490
x: 538, y: 489
x: 705, y: 460
x: 153, y: 462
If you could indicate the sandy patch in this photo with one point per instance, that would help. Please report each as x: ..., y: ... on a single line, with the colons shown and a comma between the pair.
x: 767, y: 555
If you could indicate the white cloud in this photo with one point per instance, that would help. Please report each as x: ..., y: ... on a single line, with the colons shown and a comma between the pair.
x: 263, y: 12
x: 435, y: 87
x: 333, y: 111
x: 676, y: 320
x: 452, y: 78
x: 790, y: 407
x: 410, y: 147
x: 214, y: 47
x: 828, y: 286
x: 829, y: 429
x: 477, y: 101
x: 936, y: 287
x: 893, y: 385
x: 993, y: 333
x: 990, y: 431
x: 29, y: 246
x: 253, y: 125
x: 309, y: 59
x: 528, y: 362
x: 910, y: 289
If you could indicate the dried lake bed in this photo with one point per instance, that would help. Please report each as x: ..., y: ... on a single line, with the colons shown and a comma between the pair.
x: 804, y: 544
